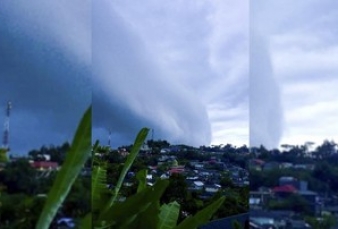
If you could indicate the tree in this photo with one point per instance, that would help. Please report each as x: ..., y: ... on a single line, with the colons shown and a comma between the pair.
x: 3, y: 156
x: 19, y: 176
x: 326, y: 222
x: 326, y: 149
x: 226, y: 181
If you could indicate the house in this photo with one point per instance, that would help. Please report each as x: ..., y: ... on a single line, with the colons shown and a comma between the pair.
x: 298, y: 224
x: 286, y: 165
x: 288, y: 181
x: 266, y: 219
x: 175, y: 170
x: 289, y: 185
x: 311, y: 197
x: 197, y: 185
x: 304, y: 166
x: 149, y: 176
x: 271, y: 165
x: 165, y: 151
x: 256, y: 164
x: 199, y: 165
x: 145, y: 148
x: 212, y: 188
x: 284, y: 191
x: 332, y: 209
x: 123, y: 152
x: 45, y: 165
x: 259, y: 198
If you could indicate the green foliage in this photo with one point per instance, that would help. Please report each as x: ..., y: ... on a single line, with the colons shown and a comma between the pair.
x: 3, y: 156
x: 19, y: 177
x: 142, y: 209
x: 294, y: 202
x: 169, y: 215
x: 56, y: 153
x: 236, y: 225
x: 130, y: 159
x: 141, y: 177
x: 75, y: 159
x: 326, y: 222
x: 20, y: 210
x: 202, y: 216
x: 226, y: 181
x: 176, y: 191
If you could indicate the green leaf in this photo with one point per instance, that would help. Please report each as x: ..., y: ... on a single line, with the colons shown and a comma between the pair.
x: 86, y: 223
x: 96, y: 145
x: 75, y: 159
x: 99, y: 186
x: 142, y: 135
x: 202, y: 216
x: 141, y: 176
x: 121, y: 212
x: 148, y: 218
x: 169, y: 215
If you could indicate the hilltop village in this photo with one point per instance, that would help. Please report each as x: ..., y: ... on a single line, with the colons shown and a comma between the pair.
x: 291, y: 188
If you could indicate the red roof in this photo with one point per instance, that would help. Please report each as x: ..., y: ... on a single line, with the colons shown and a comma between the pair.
x: 285, y: 188
x: 45, y: 164
x: 258, y: 161
x: 171, y: 171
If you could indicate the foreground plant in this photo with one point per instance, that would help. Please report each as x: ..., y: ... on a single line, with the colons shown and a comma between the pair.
x: 143, y: 209
x: 75, y: 159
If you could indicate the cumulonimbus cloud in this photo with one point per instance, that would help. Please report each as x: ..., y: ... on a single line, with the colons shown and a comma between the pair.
x: 131, y: 90
x: 266, y: 113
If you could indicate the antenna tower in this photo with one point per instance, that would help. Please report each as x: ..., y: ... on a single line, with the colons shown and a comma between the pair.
x: 152, y: 138
x: 5, y: 142
x: 109, y: 138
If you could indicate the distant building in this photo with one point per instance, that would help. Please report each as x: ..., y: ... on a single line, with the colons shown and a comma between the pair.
x: 45, y: 165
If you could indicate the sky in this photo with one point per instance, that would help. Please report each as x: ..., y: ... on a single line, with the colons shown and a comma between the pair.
x: 301, y: 54
x: 177, y: 67
x: 196, y: 72
x: 44, y: 70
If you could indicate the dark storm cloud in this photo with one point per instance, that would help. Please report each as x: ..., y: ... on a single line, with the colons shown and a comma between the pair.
x: 131, y: 90
x: 44, y: 71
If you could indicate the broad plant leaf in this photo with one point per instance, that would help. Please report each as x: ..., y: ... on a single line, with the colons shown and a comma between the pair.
x: 142, y: 135
x: 99, y: 186
x: 86, y: 222
x: 169, y: 215
x: 201, y: 217
x: 141, y: 177
x: 133, y: 206
x: 76, y: 157
x: 146, y: 219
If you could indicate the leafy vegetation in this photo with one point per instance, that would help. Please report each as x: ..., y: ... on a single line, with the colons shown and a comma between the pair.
x: 142, y: 209
x: 145, y: 206
x: 75, y: 159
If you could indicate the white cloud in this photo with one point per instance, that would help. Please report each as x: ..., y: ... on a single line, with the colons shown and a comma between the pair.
x: 304, y: 50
